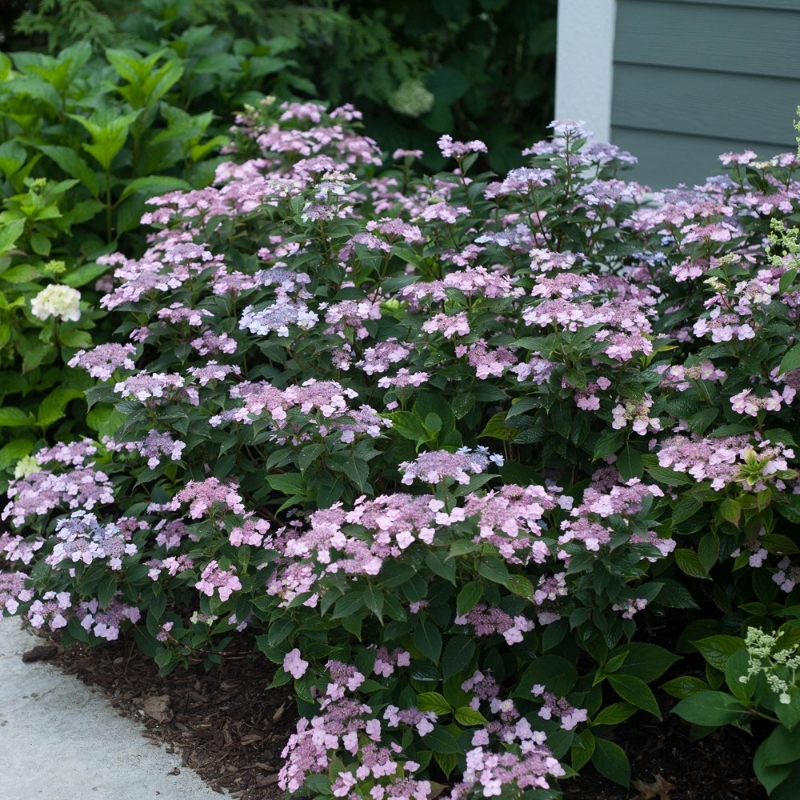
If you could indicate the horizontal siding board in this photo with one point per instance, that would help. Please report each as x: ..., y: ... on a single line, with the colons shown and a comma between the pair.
x: 749, y: 108
x: 666, y: 159
x: 740, y: 40
x: 788, y: 5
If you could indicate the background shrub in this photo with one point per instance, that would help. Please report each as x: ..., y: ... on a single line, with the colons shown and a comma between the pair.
x: 415, y: 69
x: 86, y: 140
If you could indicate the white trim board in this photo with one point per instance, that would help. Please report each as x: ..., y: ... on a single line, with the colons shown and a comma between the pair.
x: 585, y: 62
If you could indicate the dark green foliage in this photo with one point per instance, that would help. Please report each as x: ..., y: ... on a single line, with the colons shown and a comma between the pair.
x: 86, y: 140
x: 419, y: 69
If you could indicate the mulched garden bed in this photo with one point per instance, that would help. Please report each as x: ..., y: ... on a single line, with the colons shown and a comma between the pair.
x: 225, y: 724
x: 231, y: 730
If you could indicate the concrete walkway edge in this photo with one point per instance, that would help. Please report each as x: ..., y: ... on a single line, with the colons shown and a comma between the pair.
x: 59, y: 740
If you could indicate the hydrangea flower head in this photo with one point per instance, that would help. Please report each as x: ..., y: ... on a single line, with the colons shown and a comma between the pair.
x: 55, y: 300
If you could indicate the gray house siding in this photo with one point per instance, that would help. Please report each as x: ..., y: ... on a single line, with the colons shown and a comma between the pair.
x: 696, y: 78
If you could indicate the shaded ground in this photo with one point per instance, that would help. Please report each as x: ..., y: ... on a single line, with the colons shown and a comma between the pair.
x: 717, y: 767
x: 227, y: 727
x: 231, y: 730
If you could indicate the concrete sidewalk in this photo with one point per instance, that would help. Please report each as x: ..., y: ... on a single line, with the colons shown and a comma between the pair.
x: 61, y: 741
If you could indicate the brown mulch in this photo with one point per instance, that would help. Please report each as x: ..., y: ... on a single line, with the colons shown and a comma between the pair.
x: 231, y: 730
x: 716, y: 767
x: 226, y: 726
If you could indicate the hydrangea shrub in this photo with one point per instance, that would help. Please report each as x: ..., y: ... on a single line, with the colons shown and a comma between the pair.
x: 438, y: 445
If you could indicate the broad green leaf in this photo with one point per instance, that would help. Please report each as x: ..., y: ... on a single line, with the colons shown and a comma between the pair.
x: 609, y: 759
x: 469, y: 596
x: 408, y: 426
x: 521, y: 586
x: 12, y: 156
x: 684, y: 686
x: 153, y: 185
x: 781, y: 747
x: 468, y: 716
x: 41, y: 244
x: 443, y: 568
x: 669, y: 476
x: 350, y: 604
x: 735, y: 669
x: 791, y: 360
x: 9, y: 233
x: 288, y: 483
x: 462, y: 547
x: 84, y: 274
x: 13, y: 418
x: 433, y: 701
x: 279, y: 630
x: 635, y: 691
x: 446, y: 83
x: 787, y: 279
x: 495, y: 429
x: 493, y: 569
x: 685, y: 508
x: 106, y: 590
x: 778, y: 543
x: 708, y: 550
x: 69, y: 161
x: 309, y: 454
x: 76, y: 339
x: 689, y: 562
x: 629, y: 464
x: 14, y: 451
x: 104, y: 420
x: 457, y: 655
x: 428, y: 640
x: 789, y: 713
x: 373, y: 599
x: 22, y: 273
x: 440, y: 740
x: 645, y: 661
x: 582, y: 750
x: 718, y: 649
x: 710, y: 709
x: 730, y: 510
x: 614, y: 714
x: 774, y: 777
x: 52, y: 407
x: 608, y: 443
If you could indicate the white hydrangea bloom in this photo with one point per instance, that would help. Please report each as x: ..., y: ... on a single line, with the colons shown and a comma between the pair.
x: 59, y: 301
x: 27, y: 465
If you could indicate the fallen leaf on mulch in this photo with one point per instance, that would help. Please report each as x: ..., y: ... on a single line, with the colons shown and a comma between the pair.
x: 158, y: 708
x: 659, y: 789
x: 42, y: 652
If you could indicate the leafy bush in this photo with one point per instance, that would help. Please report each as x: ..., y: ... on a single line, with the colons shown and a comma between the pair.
x: 86, y: 141
x: 416, y: 69
x: 439, y: 444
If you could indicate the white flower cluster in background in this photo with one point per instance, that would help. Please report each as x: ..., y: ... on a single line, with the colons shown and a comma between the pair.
x: 55, y: 300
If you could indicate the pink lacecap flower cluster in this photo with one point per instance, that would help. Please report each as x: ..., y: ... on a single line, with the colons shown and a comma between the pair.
x: 101, y: 361
x: 202, y: 496
x: 385, y: 661
x: 486, y: 620
x: 559, y: 708
x: 721, y: 459
x: 13, y: 591
x: 216, y: 579
x: 81, y: 538
x: 745, y: 402
x: 42, y: 492
x: 107, y: 622
x: 437, y: 465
